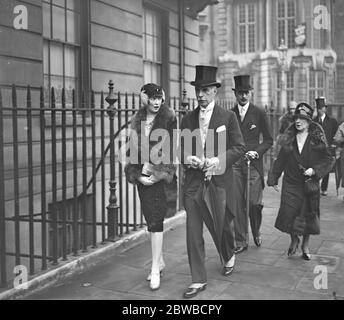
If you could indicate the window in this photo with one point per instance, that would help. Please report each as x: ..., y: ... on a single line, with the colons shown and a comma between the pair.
x: 246, y: 25
x: 61, y: 32
x: 286, y: 22
x: 289, y: 86
x: 316, y: 85
x: 152, y: 46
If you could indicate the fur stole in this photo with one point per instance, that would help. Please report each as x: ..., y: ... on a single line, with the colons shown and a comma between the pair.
x: 162, y: 120
x: 316, y: 135
x: 165, y: 119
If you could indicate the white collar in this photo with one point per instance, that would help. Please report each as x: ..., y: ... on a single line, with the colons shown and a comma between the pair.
x: 209, y: 107
x: 244, y: 107
x: 323, y: 117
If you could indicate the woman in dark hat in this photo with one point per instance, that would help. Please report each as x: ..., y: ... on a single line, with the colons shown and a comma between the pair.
x: 304, y: 154
x: 150, y: 166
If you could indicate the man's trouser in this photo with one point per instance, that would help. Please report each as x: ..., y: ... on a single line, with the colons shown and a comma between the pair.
x: 195, y: 241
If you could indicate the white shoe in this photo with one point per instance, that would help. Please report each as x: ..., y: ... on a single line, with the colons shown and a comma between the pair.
x: 155, y: 280
x: 230, y: 263
x: 161, y: 268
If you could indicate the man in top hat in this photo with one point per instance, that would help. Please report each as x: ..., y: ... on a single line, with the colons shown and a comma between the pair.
x: 253, y: 124
x: 330, y: 127
x: 207, y: 160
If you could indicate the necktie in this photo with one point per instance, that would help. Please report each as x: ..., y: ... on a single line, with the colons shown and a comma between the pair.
x: 203, y: 124
x: 242, y: 115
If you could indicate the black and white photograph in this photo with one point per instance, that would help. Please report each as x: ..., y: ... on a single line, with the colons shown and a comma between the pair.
x: 171, y: 155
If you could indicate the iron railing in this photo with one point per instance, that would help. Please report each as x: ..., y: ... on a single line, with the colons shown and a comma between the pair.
x: 62, y: 188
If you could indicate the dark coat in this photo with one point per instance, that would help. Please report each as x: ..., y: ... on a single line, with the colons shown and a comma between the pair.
x: 330, y: 127
x: 294, y: 202
x: 140, y: 148
x: 254, y: 125
x: 235, y: 148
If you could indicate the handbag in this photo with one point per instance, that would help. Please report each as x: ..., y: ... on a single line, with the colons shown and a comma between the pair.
x: 311, y: 183
x: 311, y: 186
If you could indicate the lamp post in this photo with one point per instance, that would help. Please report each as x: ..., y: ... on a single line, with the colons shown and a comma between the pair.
x: 283, y: 62
x: 112, y: 208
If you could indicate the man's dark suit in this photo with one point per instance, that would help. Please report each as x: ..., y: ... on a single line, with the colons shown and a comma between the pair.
x: 254, y: 124
x: 193, y: 184
x: 330, y: 127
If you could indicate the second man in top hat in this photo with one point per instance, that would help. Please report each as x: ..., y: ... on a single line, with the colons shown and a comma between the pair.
x: 253, y: 123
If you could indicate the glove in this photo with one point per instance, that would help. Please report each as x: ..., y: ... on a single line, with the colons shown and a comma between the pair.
x: 309, y: 172
x: 194, y: 162
x: 211, y: 163
x: 210, y: 167
x: 252, y: 155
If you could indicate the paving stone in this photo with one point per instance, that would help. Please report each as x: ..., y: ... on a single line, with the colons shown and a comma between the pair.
x: 334, y: 287
x: 247, y: 291
x: 256, y: 274
x: 259, y: 255
x: 119, y: 278
x: 297, y: 263
x: 332, y: 248
x: 172, y: 287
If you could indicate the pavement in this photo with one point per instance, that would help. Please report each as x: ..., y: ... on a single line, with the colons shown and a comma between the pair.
x: 264, y: 273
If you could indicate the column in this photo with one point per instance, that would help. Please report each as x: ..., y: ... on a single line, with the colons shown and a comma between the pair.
x: 230, y: 29
x: 268, y: 34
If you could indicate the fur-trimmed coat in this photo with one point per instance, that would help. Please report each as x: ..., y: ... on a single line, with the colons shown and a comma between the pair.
x: 141, y: 148
x: 315, y: 154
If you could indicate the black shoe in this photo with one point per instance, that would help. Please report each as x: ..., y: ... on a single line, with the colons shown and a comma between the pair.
x: 306, y: 255
x: 257, y: 241
x: 227, y: 271
x: 240, y: 249
x: 192, y: 292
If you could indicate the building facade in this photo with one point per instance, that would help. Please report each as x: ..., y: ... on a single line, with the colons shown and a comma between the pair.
x: 257, y: 37
x: 338, y: 45
x: 82, y: 44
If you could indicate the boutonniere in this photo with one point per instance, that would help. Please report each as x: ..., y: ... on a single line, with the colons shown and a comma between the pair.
x: 252, y: 126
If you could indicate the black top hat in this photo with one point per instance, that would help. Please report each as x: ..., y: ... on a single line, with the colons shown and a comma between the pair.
x: 303, y: 110
x: 152, y: 90
x: 320, y: 102
x: 242, y: 83
x: 205, y: 77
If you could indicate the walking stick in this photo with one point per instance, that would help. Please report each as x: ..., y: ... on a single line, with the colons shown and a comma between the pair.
x: 248, y: 187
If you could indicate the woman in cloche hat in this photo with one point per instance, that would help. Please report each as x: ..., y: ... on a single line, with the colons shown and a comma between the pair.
x: 304, y: 154
x: 149, y: 168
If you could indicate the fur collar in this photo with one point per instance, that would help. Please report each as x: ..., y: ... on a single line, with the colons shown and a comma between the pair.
x: 316, y: 135
x: 162, y: 119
